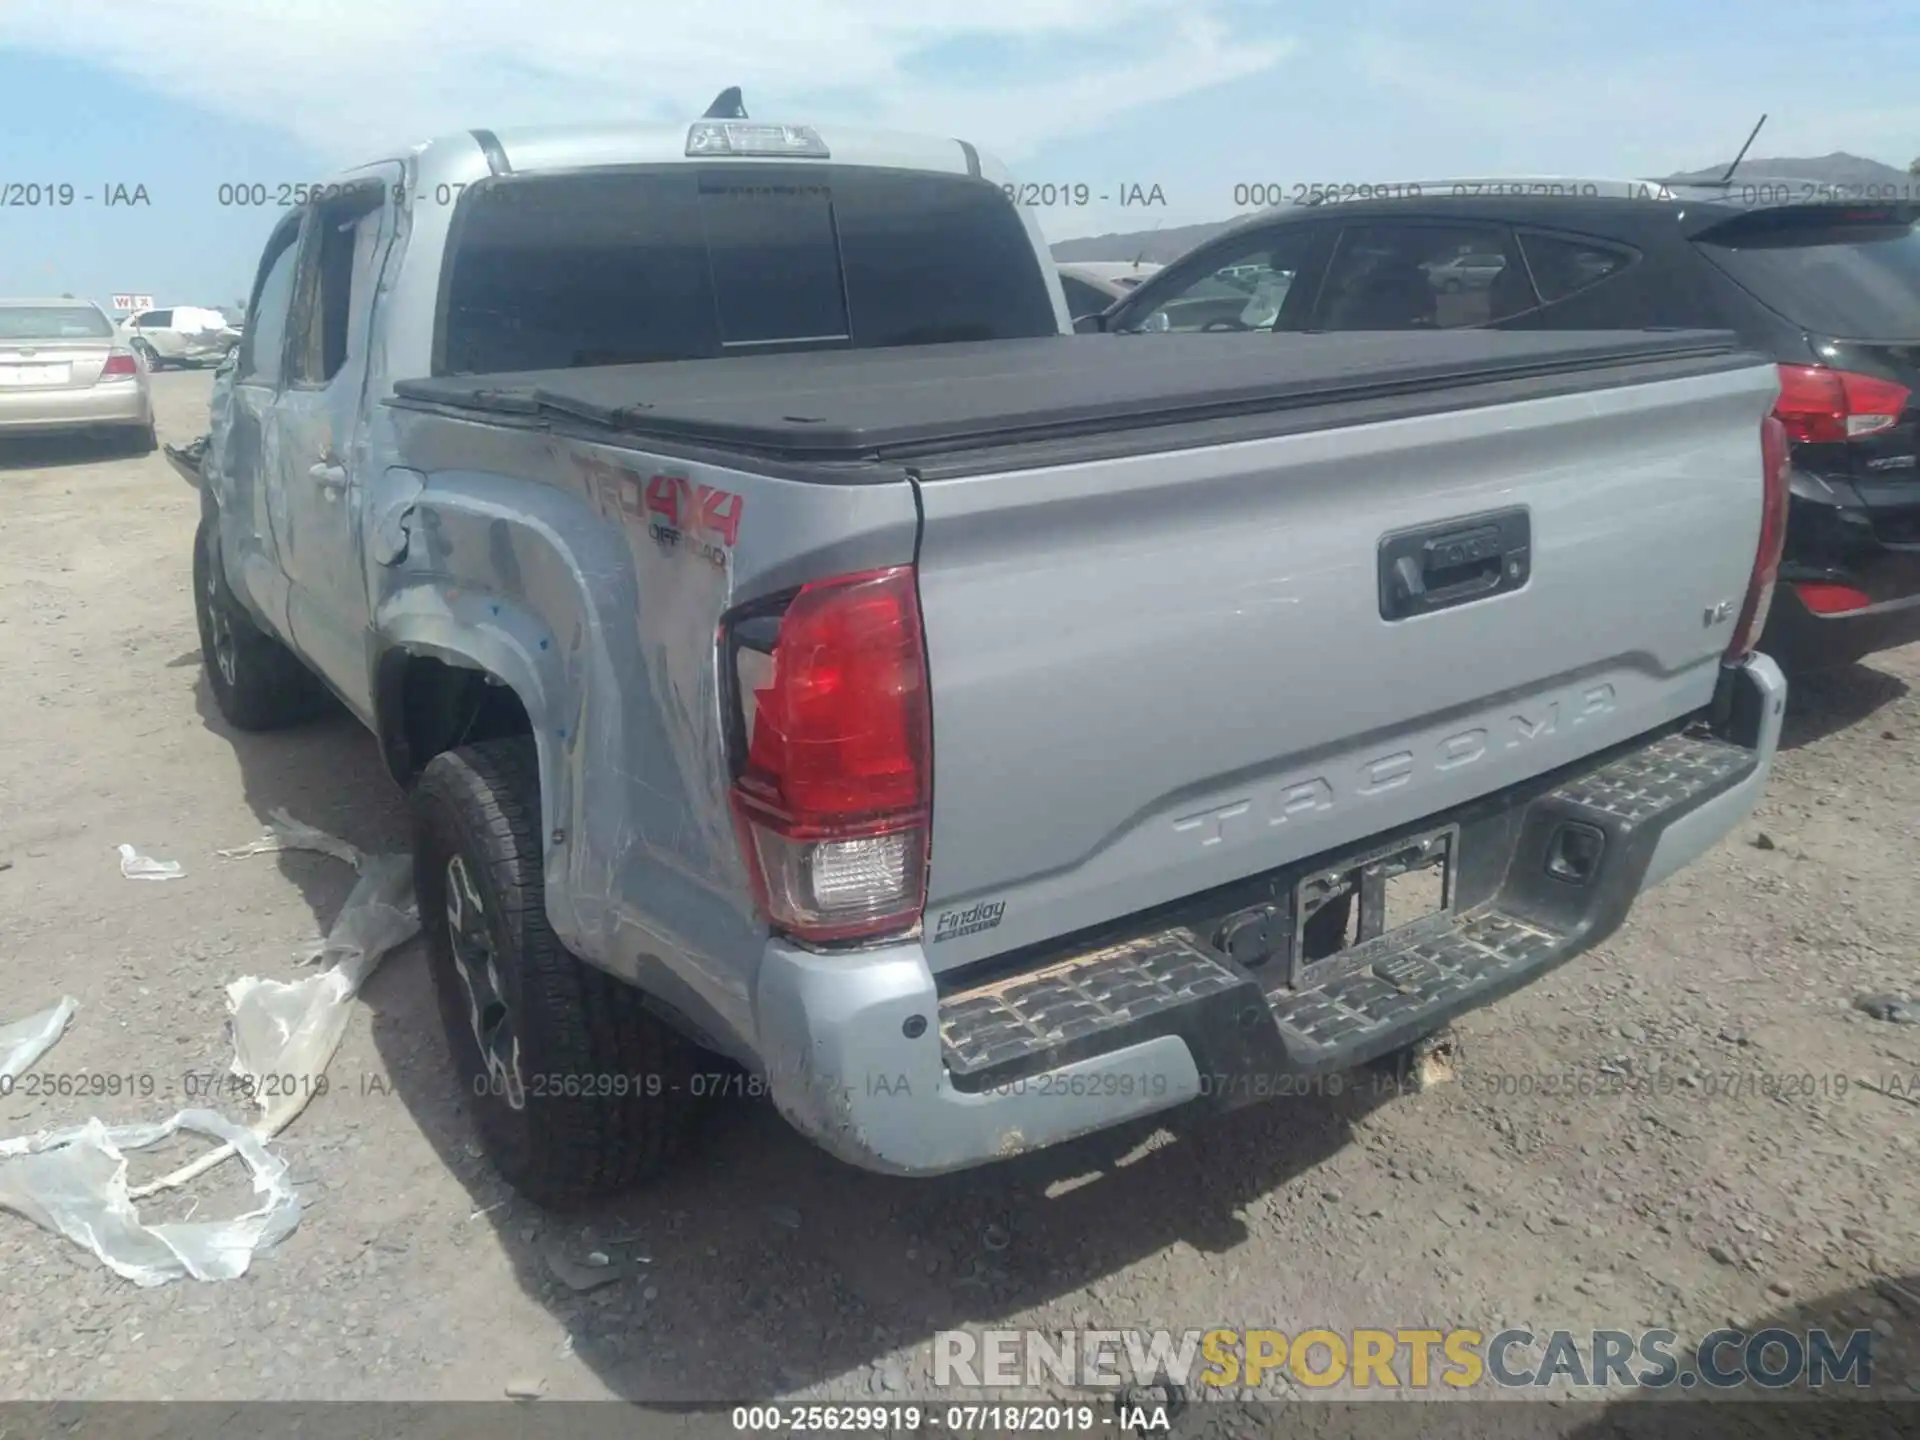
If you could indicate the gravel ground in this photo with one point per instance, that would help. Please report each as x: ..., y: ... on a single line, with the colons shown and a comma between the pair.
x: 1739, y: 1187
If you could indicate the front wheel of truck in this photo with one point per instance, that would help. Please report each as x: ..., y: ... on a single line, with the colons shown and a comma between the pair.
x: 577, y: 1090
x: 257, y: 683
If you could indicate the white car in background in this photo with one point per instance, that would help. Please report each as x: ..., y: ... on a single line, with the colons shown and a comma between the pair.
x: 180, y: 335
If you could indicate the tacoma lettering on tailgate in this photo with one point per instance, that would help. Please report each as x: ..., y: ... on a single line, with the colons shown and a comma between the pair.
x: 1373, y: 777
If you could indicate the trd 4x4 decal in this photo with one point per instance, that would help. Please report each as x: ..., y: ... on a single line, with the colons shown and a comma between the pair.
x: 677, y: 512
x: 706, y: 519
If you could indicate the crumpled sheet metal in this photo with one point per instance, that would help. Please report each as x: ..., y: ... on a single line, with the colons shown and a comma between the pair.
x: 74, y: 1183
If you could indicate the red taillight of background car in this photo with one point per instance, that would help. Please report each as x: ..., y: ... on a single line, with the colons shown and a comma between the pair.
x: 1776, y: 461
x: 834, y: 799
x: 1822, y: 406
x: 1823, y: 598
x: 119, y: 363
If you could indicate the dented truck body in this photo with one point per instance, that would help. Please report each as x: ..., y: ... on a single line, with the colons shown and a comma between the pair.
x: 994, y: 740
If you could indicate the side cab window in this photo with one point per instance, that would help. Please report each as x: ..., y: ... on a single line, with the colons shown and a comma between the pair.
x: 334, y: 287
x: 262, y: 349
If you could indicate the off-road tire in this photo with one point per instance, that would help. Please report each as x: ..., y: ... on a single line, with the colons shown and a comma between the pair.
x: 604, y: 1082
x: 266, y: 687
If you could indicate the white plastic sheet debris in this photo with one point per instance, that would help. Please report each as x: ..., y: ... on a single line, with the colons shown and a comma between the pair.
x: 24, y: 1041
x: 136, y: 866
x: 289, y: 1031
x: 286, y: 833
x: 74, y: 1183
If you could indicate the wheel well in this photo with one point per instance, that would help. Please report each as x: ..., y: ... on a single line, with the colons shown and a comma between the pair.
x: 429, y: 707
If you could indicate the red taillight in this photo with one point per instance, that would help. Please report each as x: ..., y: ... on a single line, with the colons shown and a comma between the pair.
x: 1825, y: 407
x: 1825, y: 599
x: 1776, y: 460
x: 835, y: 795
x: 119, y: 363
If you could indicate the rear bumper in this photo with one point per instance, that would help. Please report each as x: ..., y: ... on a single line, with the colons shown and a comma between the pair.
x: 39, y: 411
x: 1835, y: 537
x: 1804, y: 642
x: 864, y: 1054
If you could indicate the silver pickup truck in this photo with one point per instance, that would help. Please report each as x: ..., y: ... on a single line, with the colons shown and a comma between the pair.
x: 799, y: 650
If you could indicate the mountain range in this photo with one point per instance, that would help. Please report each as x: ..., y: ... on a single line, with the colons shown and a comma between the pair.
x: 1162, y: 246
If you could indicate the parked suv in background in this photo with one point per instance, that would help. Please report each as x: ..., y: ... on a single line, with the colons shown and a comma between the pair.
x: 1829, y: 290
x: 182, y: 335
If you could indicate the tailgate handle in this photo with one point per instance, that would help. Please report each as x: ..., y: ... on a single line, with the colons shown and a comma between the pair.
x: 1454, y: 562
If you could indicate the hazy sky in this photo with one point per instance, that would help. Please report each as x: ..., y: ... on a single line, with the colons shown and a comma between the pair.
x: 1195, y: 96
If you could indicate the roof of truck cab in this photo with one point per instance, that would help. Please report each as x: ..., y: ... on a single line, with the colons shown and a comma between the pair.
x: 474, y: 154
x: 862, y: 405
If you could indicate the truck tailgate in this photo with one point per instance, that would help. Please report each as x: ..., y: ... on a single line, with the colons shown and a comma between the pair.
x: 1158, y: 672
x: 1166, y: 651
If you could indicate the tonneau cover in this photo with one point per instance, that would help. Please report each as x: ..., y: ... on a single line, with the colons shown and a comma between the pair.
x: 869, y: 404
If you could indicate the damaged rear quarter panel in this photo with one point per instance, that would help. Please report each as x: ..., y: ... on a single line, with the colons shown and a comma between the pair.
x: 593, y: 580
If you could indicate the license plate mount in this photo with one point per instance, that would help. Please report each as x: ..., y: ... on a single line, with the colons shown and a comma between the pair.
x: 38, y: 375
x: 1399, y: 892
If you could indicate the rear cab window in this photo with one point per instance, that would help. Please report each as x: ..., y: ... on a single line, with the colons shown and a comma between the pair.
x: 1841, y: 271
x: 685, y: 262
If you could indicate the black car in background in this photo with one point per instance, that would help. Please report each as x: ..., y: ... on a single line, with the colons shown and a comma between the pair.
x: 1829, y: 289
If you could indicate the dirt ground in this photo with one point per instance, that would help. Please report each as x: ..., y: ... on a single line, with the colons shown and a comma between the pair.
x: 1743, y: 1186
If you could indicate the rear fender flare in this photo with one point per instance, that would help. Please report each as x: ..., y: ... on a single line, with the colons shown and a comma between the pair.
x: 487, y: 633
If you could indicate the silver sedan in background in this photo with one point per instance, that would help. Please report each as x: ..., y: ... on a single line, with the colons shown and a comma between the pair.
x: 62, y: 369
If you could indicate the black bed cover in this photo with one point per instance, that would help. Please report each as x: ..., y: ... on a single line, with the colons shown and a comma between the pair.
x: 863, y: 405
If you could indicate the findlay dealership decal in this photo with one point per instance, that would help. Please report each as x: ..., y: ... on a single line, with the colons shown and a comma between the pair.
x: 678, y: 514
x: 954, y: 923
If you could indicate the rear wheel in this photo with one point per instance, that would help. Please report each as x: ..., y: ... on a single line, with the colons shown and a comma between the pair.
x: 142, y: 441
x: 578, y: 1091
x: 256, y: 681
